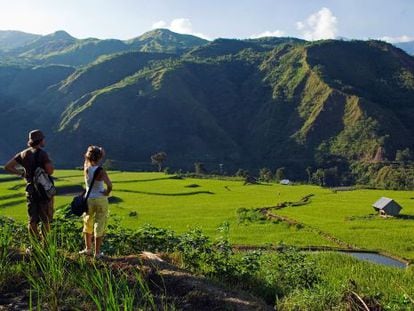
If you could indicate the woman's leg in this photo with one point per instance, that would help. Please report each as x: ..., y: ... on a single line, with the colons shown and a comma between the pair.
x: 98, y: 243
x: 88, y: 240
x: 88, y: 221
x: 101, y: 218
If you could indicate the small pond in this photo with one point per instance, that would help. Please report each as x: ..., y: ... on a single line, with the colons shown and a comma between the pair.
x: 378, y: 259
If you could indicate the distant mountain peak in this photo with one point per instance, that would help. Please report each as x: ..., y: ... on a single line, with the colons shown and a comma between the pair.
x: 61, y: 34
x: 165, y: 40
x: 163, y: 33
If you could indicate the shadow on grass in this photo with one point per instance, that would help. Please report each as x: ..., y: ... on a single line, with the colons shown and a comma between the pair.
x: 7, y: 179
x: 17, y: 187
x: 12, y: 203
x: 258, y: 184
x: 403, y: 216
x: 69, y: 190
x: 166, y: 194
x: 11, y: 196
x: 115, y: 200
x: 144, y: 180
x: 64, y: 178
x: 192, y: 186
x: 377, y: 216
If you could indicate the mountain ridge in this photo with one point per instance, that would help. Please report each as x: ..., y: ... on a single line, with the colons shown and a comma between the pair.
x: 243, y: 103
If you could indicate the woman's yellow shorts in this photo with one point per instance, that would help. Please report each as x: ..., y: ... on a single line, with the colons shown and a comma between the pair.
x: 96, y: 218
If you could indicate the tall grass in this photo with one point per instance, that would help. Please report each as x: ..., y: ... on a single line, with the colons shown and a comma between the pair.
x: 115, y: 291
x: 47, y: 271
x: 58, y: 278
x: 5, y: 242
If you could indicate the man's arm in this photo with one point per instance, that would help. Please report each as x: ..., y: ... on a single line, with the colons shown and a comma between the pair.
x: 11, y: 168
x: 48, y: 164
x: 49, y: 168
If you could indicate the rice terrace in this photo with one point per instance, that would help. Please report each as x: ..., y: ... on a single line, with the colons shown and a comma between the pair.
x: 156, y: 198
x: 262, y: 217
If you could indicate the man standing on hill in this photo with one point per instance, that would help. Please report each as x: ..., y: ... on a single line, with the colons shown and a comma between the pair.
x: 40, y: 208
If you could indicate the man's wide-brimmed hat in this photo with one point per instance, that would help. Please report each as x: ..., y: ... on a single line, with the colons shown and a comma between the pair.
x: 35, y: 137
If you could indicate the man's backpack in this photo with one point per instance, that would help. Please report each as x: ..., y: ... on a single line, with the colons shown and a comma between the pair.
x: 42, y: 182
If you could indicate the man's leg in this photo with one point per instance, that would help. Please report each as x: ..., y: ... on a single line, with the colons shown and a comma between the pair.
x: 33, y: 211
x: 46, y: 215
x: 33, y: 229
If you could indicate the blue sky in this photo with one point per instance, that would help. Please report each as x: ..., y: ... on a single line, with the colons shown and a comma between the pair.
x: 125, y: 19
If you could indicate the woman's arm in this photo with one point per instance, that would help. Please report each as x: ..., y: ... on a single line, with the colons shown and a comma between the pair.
x: 107, y: 182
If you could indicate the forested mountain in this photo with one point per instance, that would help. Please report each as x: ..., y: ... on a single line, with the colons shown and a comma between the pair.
x: 10, y: 39
x: 242, y: 103
x: 62, y: 48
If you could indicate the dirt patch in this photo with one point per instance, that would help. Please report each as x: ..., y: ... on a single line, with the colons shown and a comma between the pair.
x: 15, y: 296
x: 189, y: 292
x: 167, y: 282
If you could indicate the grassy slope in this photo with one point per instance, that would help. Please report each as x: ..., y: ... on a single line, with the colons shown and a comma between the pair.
x: 165, y: 202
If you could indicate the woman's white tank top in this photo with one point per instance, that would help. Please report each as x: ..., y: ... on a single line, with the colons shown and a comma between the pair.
x: 98, y: 185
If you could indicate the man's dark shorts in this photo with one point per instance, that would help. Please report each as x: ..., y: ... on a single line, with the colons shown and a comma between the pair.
x: 39, y: 210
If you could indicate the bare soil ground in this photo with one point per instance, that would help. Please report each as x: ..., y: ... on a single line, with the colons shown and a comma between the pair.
x: 168, y: 283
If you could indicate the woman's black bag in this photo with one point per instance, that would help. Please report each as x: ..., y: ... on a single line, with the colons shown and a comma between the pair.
x: 79, y: 204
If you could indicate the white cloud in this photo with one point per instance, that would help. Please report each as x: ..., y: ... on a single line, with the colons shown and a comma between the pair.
x: 300, y: 25
x: 180, y: 25
x: 320, y: 25
x: 403, y: 38
x: 276, y: 33
x: 159, y: 24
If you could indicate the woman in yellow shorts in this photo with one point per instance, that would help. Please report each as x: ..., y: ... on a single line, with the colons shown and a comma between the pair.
x: 95, y: 220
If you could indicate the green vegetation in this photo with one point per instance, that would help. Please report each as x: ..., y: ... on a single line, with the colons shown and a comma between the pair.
x: 157, y: 199
x: 201, y: 232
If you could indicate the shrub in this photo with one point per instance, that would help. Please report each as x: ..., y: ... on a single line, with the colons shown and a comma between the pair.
x: 290, y: 270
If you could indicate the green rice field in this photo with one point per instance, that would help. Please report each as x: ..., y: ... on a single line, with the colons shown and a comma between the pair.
x: 180, y: 204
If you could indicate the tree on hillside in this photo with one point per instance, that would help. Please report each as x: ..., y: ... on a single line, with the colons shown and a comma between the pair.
x: 403, y: 155
x: 280, y: 174
x: 331, y: 177
x: 199, y: 168
x: 309, y: 172
x: 242, y: 173
x: 318, y: 177
x: 265, y: 174
x: 159, y: 159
